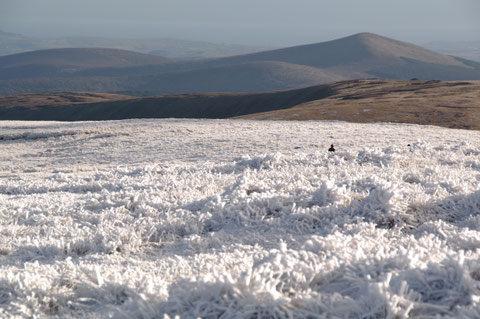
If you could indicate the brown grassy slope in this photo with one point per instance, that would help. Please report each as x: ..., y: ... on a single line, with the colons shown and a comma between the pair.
x: 57, y: 99
x: 213, y: 105
x: 447, y: 104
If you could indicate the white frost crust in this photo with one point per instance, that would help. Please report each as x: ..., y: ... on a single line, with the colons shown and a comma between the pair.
x: 238, y: 219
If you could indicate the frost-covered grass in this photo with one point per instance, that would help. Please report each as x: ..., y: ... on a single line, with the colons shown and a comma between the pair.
x: 222, y: 219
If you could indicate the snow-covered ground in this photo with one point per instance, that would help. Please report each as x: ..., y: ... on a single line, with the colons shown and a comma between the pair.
x: 244, y: 219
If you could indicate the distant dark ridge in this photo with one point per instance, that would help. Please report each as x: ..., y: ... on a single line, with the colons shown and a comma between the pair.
x: 58, y: 99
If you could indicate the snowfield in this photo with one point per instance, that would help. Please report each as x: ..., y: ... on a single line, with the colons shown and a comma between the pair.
x: 238, y: 219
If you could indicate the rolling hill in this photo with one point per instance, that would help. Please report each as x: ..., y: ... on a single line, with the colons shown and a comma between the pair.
x: 213, y: 105
x: 361, y: 47
x: 363, y: 55
x: 447, y: 104
x: 370, y: 55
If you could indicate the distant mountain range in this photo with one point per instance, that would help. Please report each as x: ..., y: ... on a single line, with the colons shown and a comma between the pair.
x: 177, y: 49
x: 363, y: 55
x: 448, y: 104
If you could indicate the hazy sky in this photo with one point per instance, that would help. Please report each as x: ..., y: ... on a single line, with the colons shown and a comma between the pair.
x: 257, y: 22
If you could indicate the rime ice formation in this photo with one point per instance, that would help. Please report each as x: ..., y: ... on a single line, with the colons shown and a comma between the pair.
x: 223, y: 219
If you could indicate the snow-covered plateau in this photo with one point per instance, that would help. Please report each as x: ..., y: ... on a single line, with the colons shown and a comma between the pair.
x: 238, y: 219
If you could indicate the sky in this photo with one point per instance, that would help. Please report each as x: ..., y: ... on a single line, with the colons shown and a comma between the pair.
x: 251, y: 22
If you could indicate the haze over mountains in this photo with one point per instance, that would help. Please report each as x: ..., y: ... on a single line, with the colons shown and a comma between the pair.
x: 363, y: 55
x: 12, y: 43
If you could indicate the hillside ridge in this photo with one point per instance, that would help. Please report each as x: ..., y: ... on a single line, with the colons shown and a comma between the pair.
x: 448, y: 104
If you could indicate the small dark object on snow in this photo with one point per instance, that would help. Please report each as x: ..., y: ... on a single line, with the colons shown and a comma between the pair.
x: 408, y: 145
x: 331, y: 149
x: 386, y: 224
